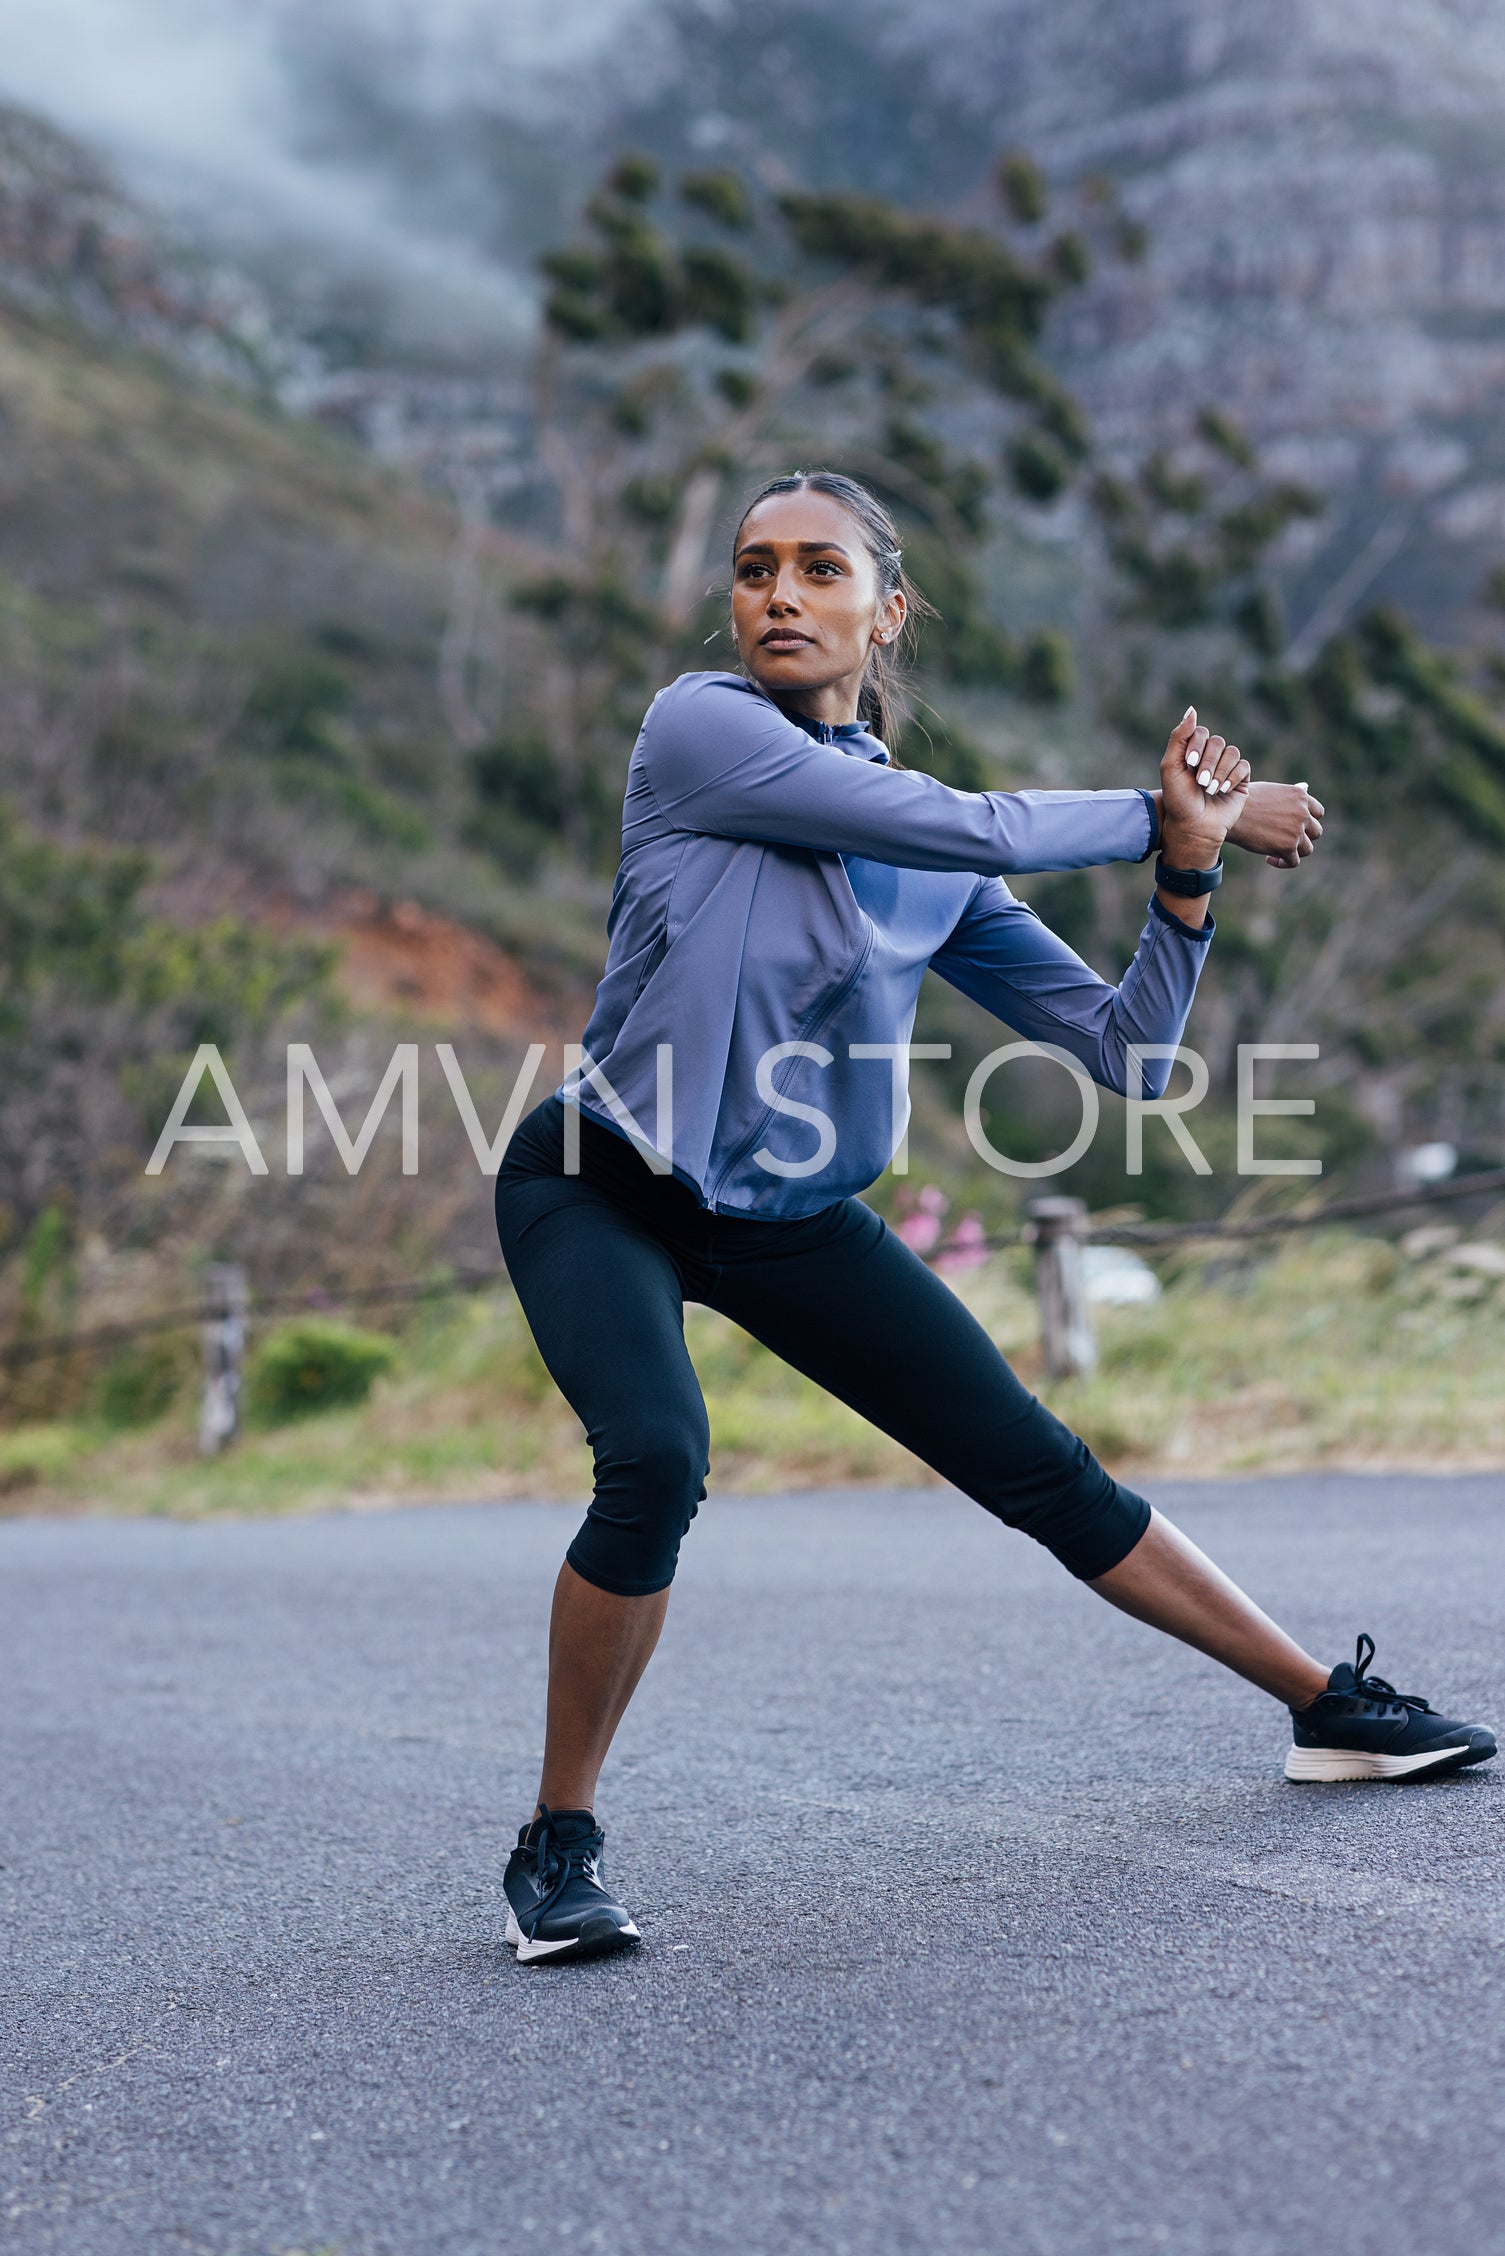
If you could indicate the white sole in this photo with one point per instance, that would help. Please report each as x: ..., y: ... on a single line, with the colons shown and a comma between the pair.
x: 1327, y: 1765
x: 526, y: 1951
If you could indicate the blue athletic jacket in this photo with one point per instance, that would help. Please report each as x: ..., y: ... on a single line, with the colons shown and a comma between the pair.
x: 781, y: 885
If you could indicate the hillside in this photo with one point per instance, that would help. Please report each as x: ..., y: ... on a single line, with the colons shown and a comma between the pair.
x: 235, y: 625
x: 233, y: 810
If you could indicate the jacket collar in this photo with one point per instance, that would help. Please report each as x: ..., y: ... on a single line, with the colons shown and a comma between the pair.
x: 845, y: 736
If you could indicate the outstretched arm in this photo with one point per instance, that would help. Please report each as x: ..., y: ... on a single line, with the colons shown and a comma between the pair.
x: 720, y: 758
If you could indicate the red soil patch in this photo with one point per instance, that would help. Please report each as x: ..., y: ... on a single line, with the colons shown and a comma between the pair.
x: 398, y: 956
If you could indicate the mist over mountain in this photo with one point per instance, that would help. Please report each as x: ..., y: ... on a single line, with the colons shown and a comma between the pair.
x: 1323, y: 186
x: 331, y: 155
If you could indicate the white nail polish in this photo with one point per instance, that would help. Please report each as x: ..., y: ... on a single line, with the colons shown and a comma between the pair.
x: 1205, y: 778
x: 1189, y: 715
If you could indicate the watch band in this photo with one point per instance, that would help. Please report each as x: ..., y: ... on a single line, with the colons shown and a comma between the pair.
x: 1188, y: 882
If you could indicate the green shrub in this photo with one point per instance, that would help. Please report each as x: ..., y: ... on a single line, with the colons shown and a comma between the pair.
x: 380, y: 817
x: 140, y: 1383
x: 1045, y: 669
x: 722, y: 196
x: 520, y: 775
x: 315, y: 1363
x: 36, y: 1454
x: 1023, y: 188
x: 1038, y: 469
x: 296, y: 705
x: 942, y: 751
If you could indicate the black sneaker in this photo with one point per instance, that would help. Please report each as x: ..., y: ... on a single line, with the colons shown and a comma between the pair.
x: 558, y: 1906
x: 1361, y: 1727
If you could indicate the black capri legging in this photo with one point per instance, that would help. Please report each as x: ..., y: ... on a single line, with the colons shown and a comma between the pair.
x: 603, y: 1263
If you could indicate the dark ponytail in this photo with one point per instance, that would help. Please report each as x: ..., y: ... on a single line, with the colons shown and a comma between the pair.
x: 880, y: 701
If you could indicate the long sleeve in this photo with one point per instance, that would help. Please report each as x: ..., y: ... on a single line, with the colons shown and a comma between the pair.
x: 719, y: 758
x: 1002, y: 955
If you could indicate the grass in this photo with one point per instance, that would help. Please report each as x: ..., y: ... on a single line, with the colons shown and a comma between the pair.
x: 1334, y: 1351
x: 1324, y: 1352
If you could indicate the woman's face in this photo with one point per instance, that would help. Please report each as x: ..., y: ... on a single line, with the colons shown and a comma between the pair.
x: 805, y: 604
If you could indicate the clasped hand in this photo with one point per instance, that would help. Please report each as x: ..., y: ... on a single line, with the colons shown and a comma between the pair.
x: 1207, y: 796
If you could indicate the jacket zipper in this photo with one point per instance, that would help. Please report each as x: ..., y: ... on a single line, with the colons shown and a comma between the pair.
x: 824, y: 734
x: 807, y: 1033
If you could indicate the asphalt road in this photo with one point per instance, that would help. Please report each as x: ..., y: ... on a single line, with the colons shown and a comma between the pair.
x: 977, y: 1917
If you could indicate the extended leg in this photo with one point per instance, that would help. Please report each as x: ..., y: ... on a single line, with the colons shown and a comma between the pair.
x: 1168, y: 1582
x: 861, y: 1314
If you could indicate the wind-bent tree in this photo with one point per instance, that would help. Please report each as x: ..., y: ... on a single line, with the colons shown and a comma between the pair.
x: 698, y: 337
x: 1188, y: 538
x: 722, y: 330
x: 1403, y: 742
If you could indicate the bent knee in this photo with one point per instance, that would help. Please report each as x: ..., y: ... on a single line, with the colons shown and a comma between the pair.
x: 650, y: 1480
x: 660, y: 1458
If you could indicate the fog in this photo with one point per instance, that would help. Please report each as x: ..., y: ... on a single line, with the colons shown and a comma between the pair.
x: 213, y: 83
x: 203, y: 106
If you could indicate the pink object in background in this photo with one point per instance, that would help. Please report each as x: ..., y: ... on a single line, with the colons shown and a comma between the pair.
x: 920, y: 1216
x: 920, y: 1220
x: 967, y: 1248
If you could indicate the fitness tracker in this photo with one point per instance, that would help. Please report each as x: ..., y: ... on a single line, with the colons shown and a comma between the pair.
x: 1189, y: 882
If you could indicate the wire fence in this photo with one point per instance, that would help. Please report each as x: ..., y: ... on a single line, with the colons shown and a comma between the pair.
x: 1359, y: 1209
x: 311, y: 1300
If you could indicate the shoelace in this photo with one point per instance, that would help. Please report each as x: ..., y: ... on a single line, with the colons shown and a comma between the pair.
x: 1376, y: 1687
x: 558, y: 1861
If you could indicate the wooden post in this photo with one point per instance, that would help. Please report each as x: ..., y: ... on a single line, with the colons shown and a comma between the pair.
x: 225, y: 1298
x: 1066, y: 1335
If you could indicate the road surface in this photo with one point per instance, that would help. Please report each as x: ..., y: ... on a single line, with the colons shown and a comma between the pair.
x: 978, y: 1918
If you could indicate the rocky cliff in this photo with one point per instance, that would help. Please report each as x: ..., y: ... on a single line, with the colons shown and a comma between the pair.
x: 1322, y: 182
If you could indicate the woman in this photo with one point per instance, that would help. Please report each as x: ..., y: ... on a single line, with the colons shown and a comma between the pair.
x: 781, y: 891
